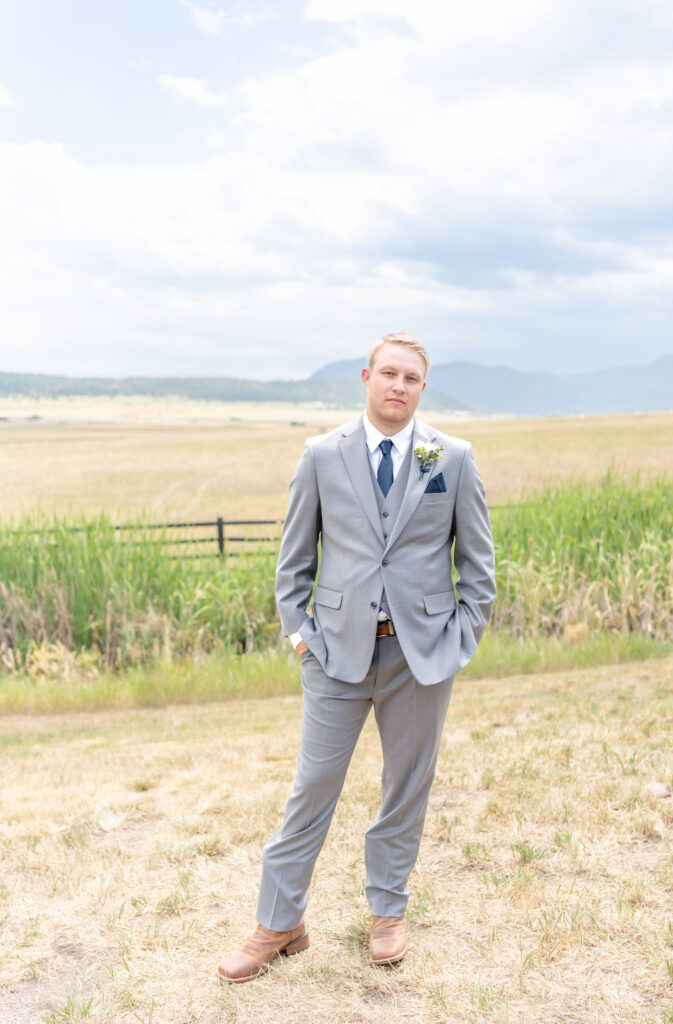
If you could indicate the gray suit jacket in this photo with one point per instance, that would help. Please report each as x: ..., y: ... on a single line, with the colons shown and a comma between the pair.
x: 333, y: 522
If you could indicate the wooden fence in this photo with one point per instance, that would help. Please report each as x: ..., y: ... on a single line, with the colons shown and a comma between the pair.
x: 218, y: 536
x: 213, y: 536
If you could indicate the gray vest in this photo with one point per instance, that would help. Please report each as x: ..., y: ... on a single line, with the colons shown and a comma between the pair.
x: 389, y: 507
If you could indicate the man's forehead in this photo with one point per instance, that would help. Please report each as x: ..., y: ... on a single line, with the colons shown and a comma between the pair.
x: 391, y: 356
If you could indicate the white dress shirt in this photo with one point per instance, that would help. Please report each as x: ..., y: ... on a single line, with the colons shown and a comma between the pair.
x: 401, y: 441
x: 373, y: 437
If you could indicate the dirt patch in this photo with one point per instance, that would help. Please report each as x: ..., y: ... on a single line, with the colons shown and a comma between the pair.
x: 71, y: 973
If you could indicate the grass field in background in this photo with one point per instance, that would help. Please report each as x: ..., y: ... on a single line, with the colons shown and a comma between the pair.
x: 131, y: 838
x: 593, y: 555
x: 177, y: 460
x: 131, y: 849
x: 584, y: 574
x: 57, y: 681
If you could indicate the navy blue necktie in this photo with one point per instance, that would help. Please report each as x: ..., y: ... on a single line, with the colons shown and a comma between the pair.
x: 385, y: 471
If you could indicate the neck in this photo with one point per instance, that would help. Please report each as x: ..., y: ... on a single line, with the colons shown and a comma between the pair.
x: 386, y: 427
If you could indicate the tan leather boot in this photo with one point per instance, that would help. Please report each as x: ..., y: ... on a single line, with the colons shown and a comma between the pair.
x: 387, y: 942
x: 260, y: 949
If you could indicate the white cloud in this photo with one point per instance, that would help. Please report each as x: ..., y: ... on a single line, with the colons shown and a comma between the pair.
x: 6, y: 97
x: 484, y: 174
x: 206, y: 20
x: 211, y: 21
x: 230, y: 265
x: 457, y: 24
x: 453, y: 126
x: 194, y: 90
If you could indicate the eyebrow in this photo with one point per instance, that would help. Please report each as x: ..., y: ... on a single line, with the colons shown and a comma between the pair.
x: 409, y: 373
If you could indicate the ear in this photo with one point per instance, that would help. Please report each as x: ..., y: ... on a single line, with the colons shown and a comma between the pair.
x: 366, y: 376
x: 424, y: 383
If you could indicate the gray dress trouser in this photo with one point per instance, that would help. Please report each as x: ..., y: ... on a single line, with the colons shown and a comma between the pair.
x: 410, y: 719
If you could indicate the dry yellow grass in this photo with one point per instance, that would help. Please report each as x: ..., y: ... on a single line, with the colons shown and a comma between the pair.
x: 520, y: 455
x: 130, y: 847
x: 179, y: 459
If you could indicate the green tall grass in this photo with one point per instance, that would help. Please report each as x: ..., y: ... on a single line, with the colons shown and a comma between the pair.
x: 125, y: 596
x: 598, y: 554
x: 573, y: 562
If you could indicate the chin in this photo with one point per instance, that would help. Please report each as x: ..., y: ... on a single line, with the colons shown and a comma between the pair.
x: 398, y: 416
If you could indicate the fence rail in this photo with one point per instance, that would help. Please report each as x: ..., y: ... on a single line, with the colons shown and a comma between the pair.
x: 219, y: 536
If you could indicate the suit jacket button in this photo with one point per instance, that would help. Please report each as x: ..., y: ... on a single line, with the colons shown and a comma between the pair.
x: 384, y: 562
x: 386, y: 514
x: 373, y: 604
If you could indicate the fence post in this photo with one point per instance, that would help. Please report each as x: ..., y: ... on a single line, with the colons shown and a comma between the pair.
x: 220, y: 536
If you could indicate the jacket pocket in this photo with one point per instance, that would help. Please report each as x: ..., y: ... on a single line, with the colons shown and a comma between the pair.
x: 436, y: 603
x: 328, y: 598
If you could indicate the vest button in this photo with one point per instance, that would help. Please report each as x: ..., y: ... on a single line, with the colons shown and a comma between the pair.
x: 386, y: 514
x: 373, y: 604
x: 384, y: 562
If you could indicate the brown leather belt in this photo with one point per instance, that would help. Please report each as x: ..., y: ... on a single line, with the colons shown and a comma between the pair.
x: 385, y: 628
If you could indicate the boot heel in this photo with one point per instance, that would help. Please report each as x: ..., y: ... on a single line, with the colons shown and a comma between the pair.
x: 296, y: 946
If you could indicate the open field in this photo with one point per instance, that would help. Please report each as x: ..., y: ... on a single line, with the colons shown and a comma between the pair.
x: 179, y: 459
x: 149, y: 409
x: 56, y: 679
x: 130, y: 850
x: 573, y: 563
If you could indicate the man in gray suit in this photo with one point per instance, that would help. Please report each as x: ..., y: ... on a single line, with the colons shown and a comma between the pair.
x: 394, y: 506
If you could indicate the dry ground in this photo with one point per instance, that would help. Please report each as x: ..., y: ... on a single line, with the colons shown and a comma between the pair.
x: 173, y: 459
x: 130, y: 848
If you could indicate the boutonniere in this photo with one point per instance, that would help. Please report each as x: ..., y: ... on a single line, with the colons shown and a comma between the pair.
x: 427, y: 455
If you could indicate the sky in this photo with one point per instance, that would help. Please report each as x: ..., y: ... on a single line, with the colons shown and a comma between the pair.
x: 219, y: 188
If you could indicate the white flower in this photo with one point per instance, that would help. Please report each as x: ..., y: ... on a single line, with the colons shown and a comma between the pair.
x: 427, y: 455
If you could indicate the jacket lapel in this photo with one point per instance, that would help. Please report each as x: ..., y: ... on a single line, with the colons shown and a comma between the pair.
x: 353, y: 448
x: 416, y: 483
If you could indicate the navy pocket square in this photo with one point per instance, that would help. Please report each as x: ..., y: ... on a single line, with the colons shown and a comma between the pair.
x: 436, y: 485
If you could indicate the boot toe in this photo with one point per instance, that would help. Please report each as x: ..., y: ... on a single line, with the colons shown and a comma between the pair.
x: 239, y: 967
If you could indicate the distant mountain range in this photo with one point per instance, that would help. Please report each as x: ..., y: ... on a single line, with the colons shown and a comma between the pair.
x: 451, y: 386
x: 337, y: 392
x: 500, y: 389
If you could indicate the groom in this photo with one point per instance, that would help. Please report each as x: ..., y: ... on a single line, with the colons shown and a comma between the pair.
x: 394, y: 507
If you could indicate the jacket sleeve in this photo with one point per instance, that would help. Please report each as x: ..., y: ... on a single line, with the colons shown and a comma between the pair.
x: 298, y: 558
x: 473, y: 555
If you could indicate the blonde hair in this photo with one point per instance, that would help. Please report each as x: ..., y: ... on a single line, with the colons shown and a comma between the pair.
x: 398, y: 338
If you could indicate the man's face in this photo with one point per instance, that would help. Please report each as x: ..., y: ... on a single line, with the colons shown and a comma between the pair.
x: 394, y: 387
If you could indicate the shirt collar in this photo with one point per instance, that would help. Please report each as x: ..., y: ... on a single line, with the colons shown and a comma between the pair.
x: 401, y: 440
